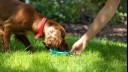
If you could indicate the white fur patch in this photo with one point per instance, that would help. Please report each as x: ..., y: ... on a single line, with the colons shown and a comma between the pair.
x: 53, y: 32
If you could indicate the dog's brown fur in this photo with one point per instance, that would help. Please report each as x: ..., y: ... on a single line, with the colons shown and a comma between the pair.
x: 18, y: 18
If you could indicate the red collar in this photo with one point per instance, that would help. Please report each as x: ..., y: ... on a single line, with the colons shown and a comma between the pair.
x: 41, y: 28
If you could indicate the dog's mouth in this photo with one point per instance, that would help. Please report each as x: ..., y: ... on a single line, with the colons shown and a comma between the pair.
x: 61, y: 48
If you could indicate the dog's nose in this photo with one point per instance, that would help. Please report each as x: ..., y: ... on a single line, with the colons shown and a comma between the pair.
x: 64, y: 48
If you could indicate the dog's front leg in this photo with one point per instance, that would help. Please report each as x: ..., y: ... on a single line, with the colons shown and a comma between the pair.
x: 25, y: 41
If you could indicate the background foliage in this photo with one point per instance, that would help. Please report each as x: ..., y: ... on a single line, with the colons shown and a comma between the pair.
x: 77, y: 11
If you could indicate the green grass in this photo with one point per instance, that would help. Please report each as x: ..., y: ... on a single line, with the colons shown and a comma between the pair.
x: 101, y: 55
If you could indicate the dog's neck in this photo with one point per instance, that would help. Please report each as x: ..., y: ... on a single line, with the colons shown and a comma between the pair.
x: 36, y: 25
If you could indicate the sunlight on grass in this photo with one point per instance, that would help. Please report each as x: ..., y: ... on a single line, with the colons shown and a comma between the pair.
x: 101, y: 55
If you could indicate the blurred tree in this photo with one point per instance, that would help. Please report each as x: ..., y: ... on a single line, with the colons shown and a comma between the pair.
x: 22, y: 0
x: 76, y: 11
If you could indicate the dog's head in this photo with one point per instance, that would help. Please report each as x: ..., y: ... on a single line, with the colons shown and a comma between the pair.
x: 54, y: 36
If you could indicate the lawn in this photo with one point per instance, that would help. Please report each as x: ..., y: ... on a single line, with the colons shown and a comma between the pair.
x: 101, y: 55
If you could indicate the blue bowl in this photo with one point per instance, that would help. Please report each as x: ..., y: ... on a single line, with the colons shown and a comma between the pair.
x: 58, y: 53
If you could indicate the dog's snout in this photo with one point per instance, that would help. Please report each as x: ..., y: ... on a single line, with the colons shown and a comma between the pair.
x: 64, y: 47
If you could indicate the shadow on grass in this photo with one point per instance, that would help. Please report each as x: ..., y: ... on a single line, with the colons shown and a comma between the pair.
x: 114, y: 55
x: 106, y: 47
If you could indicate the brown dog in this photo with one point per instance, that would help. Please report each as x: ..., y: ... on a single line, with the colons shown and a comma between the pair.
x: 18, y: 18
